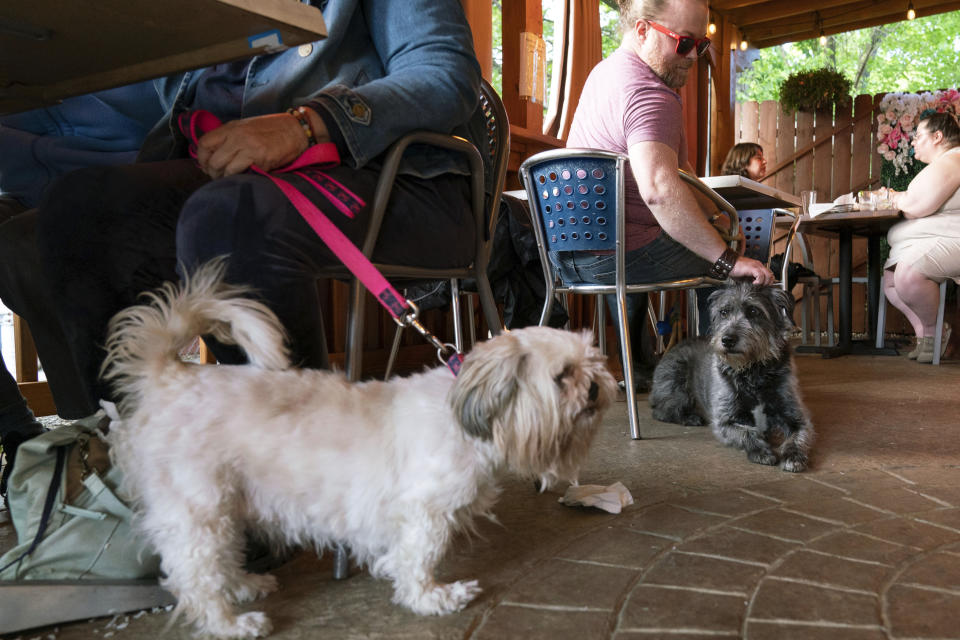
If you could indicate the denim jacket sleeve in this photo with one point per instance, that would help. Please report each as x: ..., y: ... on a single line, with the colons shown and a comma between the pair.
x: 386, y: 67
x: 429, y: 74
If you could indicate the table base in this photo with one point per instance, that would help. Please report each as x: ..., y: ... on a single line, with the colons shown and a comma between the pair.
x: 855, y: 348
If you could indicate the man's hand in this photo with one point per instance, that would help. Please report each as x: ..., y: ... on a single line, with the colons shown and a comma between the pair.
x: 267, y: 141
x: 749, y: 269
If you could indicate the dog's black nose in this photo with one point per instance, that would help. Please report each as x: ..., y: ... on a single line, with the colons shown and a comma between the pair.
x: 594, y: 391
x: 729, y: 341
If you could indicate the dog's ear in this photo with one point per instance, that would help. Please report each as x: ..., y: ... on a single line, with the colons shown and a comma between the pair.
x: 716, y: 293
x: 486, y: 385
x: 783, y: 301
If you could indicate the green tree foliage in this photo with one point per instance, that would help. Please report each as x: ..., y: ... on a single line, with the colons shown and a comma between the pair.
x: 912, y: 55
x: 609, y: 29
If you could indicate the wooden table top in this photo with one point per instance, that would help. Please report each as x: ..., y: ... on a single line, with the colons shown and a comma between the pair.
x: 54, y: 49
x: 868, y: 222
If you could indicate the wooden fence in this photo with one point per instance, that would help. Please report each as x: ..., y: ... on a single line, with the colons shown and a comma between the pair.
x: 832, y: 151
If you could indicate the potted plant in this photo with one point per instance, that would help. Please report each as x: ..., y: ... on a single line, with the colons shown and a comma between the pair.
x: 814, y: 89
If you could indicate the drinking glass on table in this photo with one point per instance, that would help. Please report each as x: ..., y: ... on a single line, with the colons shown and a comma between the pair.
x: 867, y: 199
x: 807, y: 199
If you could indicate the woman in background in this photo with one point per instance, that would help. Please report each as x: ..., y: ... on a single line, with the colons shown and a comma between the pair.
x: 925, y: 247
x: 745, y: 159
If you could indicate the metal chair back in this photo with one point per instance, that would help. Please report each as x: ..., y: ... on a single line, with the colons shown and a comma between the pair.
x: 757, y: 226
x: 576, y: 198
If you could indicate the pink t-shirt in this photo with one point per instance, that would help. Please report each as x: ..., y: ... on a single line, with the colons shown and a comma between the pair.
x: 624, y: 102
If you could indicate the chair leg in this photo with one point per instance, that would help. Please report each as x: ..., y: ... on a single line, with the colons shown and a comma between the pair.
x: 938, y: 337
x: 881, y: 317
x: 354, y: 366
x: 661, y: 316
x: 693, y: 314
x: 652, y: 317
x: 341, y: 562
x: 489, y: 305
x: 831, y: 340
x: 471, y: 322
x: 601, y: 324
x: 394, y: 351
x: 816, y: 316
x: 457, y: 319
x: 626, y: 356
x: 354, y: 350
x: 804, y: 313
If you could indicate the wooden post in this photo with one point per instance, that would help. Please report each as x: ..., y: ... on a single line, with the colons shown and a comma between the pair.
x: 25, y: 351
x: 480, y: 16
x: 36, y: 392
x: 519, y: 16
x: 721, y: 59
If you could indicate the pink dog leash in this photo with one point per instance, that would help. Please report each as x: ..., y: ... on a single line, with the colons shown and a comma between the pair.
x: 309, y: 166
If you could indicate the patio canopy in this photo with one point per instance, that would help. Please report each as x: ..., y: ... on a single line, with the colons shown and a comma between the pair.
x: 766, y: 23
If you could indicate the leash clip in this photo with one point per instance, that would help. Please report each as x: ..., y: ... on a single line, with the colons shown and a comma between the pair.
x: 447, y: 353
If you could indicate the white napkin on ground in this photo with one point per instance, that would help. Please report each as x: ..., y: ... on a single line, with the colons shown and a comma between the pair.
x: 612, y: 499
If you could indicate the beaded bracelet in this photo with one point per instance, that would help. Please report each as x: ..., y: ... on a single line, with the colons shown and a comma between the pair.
x: 301, y: 115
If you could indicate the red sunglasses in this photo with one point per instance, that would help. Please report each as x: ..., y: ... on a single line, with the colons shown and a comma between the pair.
x: 685, y: 44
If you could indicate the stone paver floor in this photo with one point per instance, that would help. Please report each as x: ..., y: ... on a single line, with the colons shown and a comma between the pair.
x: 865, y: 545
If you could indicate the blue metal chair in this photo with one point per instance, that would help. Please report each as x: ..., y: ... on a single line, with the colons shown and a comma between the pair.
x: 758, y: 227
x: 576, y: 199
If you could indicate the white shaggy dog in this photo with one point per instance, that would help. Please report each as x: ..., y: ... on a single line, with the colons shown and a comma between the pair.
x: 392, y: 469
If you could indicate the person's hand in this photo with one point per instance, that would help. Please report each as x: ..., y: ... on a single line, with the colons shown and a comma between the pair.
x: 750, y: 269
x: 267, y: 141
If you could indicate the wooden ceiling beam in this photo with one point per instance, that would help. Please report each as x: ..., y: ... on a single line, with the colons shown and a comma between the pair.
x: 864, y: 12
x: 833, y: 20
x: 778, y: 10
x: 726, y: 6
x: 798, y: 31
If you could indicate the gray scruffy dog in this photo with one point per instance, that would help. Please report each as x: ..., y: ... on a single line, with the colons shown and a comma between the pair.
x: 740, y: 380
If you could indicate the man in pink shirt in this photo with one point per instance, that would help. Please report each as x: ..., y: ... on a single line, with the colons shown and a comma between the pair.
x: 630, y: 105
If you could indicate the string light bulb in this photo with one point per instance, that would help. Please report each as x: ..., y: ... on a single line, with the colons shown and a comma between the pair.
x: 911, y: 14
x: 823, y: 39
x: 711, y: 28
x: 743, y: 44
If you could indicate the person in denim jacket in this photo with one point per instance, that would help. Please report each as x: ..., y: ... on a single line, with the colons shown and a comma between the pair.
x: 386, y: 68
x: 102, y: 128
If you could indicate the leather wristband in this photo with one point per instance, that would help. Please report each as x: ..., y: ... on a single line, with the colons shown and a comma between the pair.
x: 724, y: 265
x: 300, y: 114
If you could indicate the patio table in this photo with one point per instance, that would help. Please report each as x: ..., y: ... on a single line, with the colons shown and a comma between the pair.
x: 52, y: 49
x: 844, y: 222
x: 745, y: 194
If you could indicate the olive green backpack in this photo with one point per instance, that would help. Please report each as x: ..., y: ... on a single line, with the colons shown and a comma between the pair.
x: 74, y: 536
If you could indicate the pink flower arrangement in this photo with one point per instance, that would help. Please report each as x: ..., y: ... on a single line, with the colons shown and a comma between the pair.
x: 898, y: 113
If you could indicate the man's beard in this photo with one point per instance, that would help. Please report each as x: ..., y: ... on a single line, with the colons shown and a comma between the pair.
x: 672, y: 76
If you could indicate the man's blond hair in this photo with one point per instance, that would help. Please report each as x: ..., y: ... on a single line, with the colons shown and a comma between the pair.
x: 633, y: 10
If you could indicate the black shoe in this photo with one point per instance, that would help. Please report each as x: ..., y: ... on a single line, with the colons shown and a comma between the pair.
x: 10, y: 443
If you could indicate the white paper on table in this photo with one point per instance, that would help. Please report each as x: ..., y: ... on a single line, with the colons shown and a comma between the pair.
x: 611, y: 499
x: 820, y: 207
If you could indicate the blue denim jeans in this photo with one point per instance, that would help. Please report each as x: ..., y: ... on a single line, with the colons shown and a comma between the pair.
x: 661, y: 259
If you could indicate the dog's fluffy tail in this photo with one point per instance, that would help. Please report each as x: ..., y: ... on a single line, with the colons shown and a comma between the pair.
x: 144, y: 341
